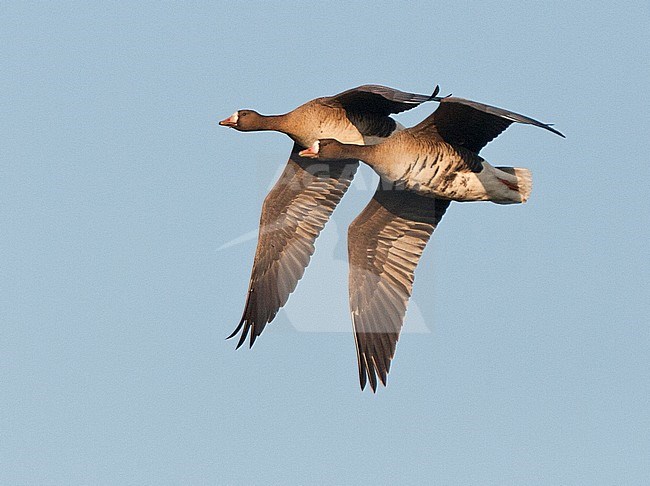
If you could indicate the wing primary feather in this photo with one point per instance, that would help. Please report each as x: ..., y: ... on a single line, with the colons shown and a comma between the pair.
x: 239, y: 326
x: 244, y: 334
x: 371, y: 373
x: 362, y: 373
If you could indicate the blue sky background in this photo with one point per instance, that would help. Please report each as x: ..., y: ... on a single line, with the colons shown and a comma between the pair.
x: 118, y: 191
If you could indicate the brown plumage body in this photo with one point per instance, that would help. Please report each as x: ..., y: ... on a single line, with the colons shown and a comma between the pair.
x: 431, y: 167
x: 426, y: 166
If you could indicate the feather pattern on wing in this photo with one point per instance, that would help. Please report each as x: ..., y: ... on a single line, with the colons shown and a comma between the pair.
x: 293, y: 215
x: 385, y: 243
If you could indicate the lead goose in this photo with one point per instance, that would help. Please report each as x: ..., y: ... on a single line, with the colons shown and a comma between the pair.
x: 422, y: 169
x: 297, y: 208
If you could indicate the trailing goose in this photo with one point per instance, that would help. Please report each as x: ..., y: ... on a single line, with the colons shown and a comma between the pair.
x: 297, y: 208
x: 422, y: 169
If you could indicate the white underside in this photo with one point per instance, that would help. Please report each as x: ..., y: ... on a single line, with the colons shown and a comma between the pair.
x: 491, y: 184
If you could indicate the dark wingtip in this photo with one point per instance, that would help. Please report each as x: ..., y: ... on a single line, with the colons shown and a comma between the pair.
x: 383, y: 377
x: 241, y: 341
x: 244, y: 335
x: 372, y: 377
x: 253, y: 338
x: 362, y: 377
x: 241, y: 323
x: 435, y: 92
x: 550, y: 128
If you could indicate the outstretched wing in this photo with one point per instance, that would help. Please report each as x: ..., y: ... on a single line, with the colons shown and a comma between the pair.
x: 471, y: 124
x: 385, y: 243
x: 380, y: 100
x: 293, y: 215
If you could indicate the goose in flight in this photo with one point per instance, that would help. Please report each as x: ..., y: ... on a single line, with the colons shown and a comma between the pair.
x: 422, y: 169
x: 301, y: 202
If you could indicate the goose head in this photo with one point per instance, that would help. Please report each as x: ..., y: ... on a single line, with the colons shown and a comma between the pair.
x: 327, y: 148
x: 245, y: 121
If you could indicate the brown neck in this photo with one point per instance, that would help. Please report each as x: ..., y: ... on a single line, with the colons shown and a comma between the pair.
x: 364, y: 153
x: 273, y: 122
